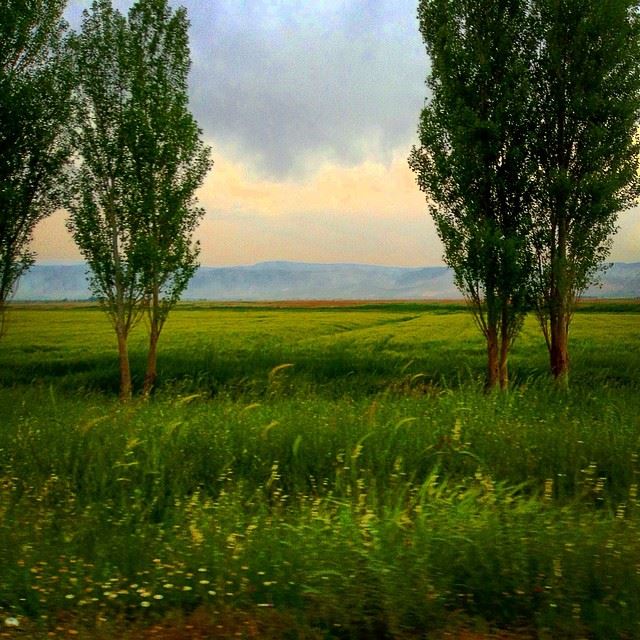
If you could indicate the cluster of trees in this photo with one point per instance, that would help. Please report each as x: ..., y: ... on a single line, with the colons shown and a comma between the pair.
x: 98, y: 121
x: 528, y: 151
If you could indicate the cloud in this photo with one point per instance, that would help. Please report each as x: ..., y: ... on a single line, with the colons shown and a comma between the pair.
x: 52, y: 242
x: 626, y: 243
x: 312, y: 108
x: 290, y: 82
x: 325, y: 237
x: 371, y: 212
x: 368, y: 189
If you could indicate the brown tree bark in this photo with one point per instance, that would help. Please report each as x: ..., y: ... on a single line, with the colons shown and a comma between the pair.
x: 559, y: 352
x: 155, y: 327
x: 125, y: 370
x: 493, y: 363
x: 505, y: 344
x: 152, y: 361
x: 3, y: 318
x: 560, y: 305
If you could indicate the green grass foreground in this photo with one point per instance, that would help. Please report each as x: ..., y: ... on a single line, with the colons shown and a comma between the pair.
x: 318, y: 473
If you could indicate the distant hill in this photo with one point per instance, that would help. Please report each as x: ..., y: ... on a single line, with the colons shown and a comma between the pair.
x: 304, y: 281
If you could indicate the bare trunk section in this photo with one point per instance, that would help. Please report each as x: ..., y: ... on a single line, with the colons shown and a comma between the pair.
x: 3, y: 318
x: 7, y: 289
x: 125, y: 370
x: 493, y: 363
x: 155, y: 327
x: 120, y: 310
x: 505, y: 345
x: 559, y: 352
x: 152, y: 362
x: 560, y: 307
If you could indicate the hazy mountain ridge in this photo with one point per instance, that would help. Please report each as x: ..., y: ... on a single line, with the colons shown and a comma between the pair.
x: 304, y: 281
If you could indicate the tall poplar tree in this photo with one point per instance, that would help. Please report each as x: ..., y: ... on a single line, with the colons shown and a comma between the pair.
x: 103, y: 226
x: 141, y: 159
x: 169, y: 159
x: 473, y: 162
x: 35, y: 86
x: 586, y: 78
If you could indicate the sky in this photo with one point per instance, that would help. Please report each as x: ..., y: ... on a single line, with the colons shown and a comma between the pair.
x: 311, y: 108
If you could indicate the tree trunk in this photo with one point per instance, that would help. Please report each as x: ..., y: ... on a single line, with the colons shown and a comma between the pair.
x: 505, y: 343
x: 559, y: 352
x: 152, y: 360
x: 155, y: 327
x: 493, y: 364
x: 125, y: 370
x: 3, y: 318
x: 560, y: 307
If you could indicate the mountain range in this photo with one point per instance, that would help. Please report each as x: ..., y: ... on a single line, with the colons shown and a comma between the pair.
x: 304, y: 281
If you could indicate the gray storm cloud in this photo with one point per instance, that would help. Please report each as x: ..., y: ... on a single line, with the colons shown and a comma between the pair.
x: 312, y: 106
x: 288, y: 83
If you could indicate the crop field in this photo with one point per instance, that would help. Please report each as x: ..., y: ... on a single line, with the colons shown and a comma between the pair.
x: 318, y: 473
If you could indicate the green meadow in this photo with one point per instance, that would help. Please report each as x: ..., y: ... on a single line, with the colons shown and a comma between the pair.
x: 318, y: 473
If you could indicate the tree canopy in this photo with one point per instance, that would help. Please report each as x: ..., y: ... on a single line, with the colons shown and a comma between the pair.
x: 169, y: 160
x: 586, y: 79
x: 35, y: 86
x: 141, y: 159
x: 474, y: 160
x: 528, y: 152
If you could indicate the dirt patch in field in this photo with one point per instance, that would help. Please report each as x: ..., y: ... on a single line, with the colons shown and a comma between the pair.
x: 219, y: 625
x: 472, y: 635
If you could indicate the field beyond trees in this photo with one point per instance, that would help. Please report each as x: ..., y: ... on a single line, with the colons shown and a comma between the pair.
x: 318, y: 473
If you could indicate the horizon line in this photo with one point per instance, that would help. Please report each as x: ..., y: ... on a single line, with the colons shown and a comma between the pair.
x: 76, y: 263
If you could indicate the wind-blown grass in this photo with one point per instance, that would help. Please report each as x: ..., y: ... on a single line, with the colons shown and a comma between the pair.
x: 341, y: 467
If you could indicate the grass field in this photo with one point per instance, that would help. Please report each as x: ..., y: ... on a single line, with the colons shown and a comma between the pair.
x: 318, y: 473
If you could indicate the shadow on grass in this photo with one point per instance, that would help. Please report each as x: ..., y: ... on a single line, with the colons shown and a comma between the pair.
x: 329, y: 366
x: 334, y: 370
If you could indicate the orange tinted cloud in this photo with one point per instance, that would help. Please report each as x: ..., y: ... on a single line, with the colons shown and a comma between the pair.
x: 370, y: 212
x: 367, y: 189
x: 626, y: 244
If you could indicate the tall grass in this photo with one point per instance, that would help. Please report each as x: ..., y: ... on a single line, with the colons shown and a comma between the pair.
x: 341, y: 467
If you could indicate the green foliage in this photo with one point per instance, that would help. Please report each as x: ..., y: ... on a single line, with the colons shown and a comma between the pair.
x: 169, y: 158
x: 142, y: 157
x: 529, y: 149
x: 141, y: 160
x: 35, y: 86
x: 102, y: 224
x: 354, y: 475
x: 474, y: 162
x: 587, y: 83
